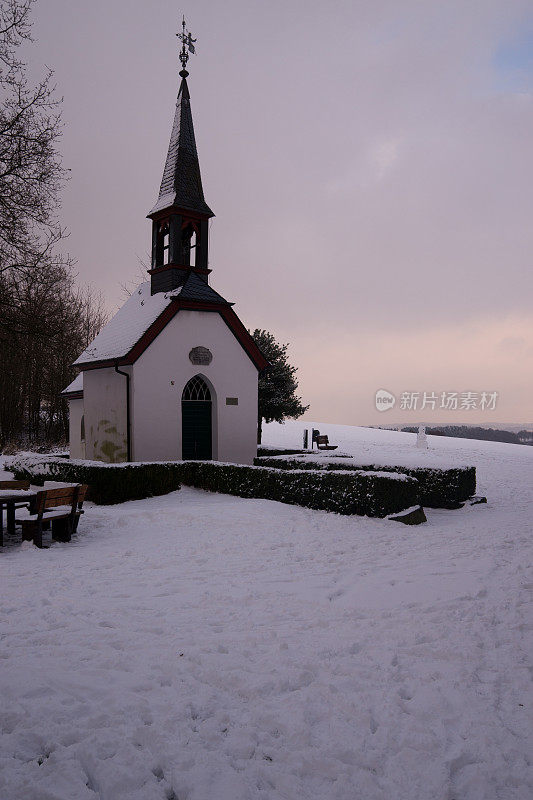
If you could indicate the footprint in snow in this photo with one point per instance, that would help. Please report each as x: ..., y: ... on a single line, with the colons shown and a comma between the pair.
x: 405, y: 694
x: 158, y: 773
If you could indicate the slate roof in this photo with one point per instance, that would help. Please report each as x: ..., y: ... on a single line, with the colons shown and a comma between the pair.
x: 182, y: 183
x: 194, y: 288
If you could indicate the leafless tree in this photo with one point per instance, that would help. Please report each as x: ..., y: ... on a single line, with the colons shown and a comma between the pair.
x: 45, y: 319
x: 31, y: 174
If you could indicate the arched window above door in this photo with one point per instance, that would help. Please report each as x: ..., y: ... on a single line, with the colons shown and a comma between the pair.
x: 196, y: 389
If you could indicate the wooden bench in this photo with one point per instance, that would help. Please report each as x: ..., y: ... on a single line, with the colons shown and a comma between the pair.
x: 15, y: 485
x: 61, y: 507
x: 322, y: 442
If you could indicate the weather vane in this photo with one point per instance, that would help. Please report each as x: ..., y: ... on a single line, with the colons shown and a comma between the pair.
x: 187, y: 46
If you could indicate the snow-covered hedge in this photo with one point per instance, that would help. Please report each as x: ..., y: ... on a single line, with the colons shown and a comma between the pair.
x: 270, y: 450
x: 375, y: 494
x: 439, y: 487
x: 108, y: 483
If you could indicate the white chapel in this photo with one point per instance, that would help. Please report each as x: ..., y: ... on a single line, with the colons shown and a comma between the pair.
x: 174, y: 373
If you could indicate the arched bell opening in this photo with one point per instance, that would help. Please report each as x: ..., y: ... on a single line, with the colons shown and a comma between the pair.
x: 197, y: 420
x: 189, y: 244
x: 161, y: 255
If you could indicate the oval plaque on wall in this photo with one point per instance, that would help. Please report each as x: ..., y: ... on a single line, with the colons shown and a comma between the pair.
x: 201, y: 356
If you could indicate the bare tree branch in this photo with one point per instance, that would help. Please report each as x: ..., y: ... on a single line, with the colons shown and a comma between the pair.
x: 45, y: 319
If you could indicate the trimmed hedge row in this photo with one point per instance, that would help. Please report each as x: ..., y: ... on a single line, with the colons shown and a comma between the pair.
x: 439, y: 487
x: 273, y: 451
x: 108, y: 483
x: 364, y: 493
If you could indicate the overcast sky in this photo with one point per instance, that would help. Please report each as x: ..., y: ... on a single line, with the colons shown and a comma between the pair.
x: 369, y: 164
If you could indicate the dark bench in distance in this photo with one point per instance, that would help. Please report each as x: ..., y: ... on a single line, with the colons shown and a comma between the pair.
x: 322, y: 442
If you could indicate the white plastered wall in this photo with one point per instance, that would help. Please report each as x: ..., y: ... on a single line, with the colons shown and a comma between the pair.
x: 104, y: 400
x: 75, y: 413
x: 164, y: 368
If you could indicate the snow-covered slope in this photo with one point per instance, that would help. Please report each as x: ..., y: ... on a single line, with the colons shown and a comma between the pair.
x: 496, y: 462
x: 200, y: 646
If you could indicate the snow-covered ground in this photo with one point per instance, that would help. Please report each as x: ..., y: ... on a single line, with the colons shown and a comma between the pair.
x: 205, y: 647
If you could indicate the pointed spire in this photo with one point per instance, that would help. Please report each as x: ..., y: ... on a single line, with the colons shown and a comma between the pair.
x: 181, y: 185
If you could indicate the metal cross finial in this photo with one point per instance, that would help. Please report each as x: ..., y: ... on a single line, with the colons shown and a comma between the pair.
x: 187, y: 46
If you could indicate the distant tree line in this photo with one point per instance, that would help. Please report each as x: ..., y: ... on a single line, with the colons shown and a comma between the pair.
x: 467, y: 432
x: 45, y: 319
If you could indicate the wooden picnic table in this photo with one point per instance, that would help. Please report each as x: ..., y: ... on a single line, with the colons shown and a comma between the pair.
x: 10, y: 498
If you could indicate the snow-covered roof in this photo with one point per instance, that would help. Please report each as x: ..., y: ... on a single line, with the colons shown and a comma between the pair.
x: 125, y: 329
x: 75, y: 386
x: 138, y: 313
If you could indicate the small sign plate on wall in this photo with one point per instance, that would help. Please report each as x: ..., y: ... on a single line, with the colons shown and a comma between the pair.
x: 201, y: 356
x: 232, y: 401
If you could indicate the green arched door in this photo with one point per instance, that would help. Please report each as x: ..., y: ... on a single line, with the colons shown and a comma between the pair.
x: 196, y: 420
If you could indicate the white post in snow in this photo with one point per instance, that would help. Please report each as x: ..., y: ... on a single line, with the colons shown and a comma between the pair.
x: 421, y: 438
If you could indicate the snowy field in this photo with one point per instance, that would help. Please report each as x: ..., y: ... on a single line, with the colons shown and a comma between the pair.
x: 206, y: 647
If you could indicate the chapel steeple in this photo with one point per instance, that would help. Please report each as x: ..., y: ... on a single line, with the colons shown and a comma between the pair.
x: 180, y: 216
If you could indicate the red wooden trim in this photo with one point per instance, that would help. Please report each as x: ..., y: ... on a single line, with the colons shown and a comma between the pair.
x: 154, y: 330
x: 245, y: 339
x: 234, y: 324
x: 199, y: 305
x: 226, y: 312
x: 166, y: 267
x: 107, y: 362
x: 190, y: 221
x: 184, y: 212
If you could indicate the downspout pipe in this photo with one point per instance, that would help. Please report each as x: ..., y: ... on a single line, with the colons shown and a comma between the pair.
x: 128, y: 409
